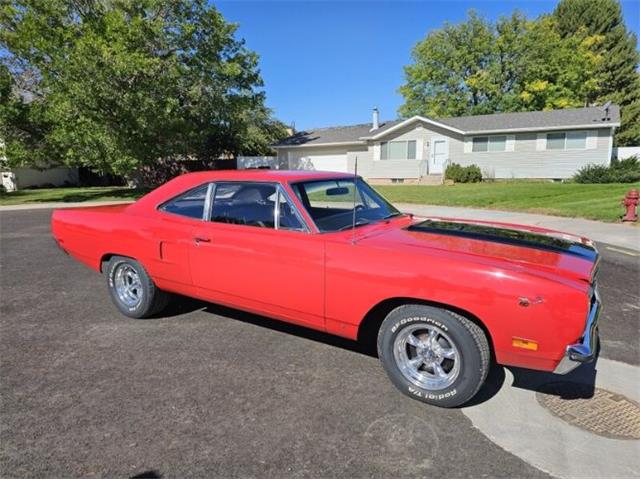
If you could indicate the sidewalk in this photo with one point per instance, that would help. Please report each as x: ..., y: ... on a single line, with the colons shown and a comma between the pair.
x: 620, y: 235
x: 52, y: 205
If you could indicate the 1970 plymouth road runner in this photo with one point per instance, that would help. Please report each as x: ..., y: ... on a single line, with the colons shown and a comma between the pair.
x: 443, y: 298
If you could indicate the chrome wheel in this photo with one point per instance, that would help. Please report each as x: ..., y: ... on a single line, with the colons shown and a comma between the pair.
x: 427, y: 357
x: 128, y: 286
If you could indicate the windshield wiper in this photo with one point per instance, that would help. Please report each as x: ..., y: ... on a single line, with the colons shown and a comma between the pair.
x: 359, y: 223
x: 392, y: 214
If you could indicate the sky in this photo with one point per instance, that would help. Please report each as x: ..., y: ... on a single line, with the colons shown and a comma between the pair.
x: 329, y: 63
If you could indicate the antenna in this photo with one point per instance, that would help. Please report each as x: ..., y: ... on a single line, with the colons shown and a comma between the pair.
x: 605, y: 108
x: 355, y: 190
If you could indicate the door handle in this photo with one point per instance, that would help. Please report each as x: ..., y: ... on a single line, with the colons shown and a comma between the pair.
x: 201, y: 240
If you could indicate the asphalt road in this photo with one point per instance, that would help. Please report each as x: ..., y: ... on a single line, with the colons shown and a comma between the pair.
x: 209, y: 392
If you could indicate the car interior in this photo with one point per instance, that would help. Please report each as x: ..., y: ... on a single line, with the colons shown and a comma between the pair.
x: 239, y: 204
x: 254, y: 205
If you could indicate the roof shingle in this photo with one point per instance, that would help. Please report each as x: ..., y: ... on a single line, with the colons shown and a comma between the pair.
x: 570, y: 117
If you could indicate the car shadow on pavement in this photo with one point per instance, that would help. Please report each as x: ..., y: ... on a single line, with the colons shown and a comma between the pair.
x: 492, y: 385
x: 182, y: 305
x: 580, y: 383
x: 148, y: 474
x: 577, y: 384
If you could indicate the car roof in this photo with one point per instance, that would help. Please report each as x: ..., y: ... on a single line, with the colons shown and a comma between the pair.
x: 259, y: 174
x: 187, y: 181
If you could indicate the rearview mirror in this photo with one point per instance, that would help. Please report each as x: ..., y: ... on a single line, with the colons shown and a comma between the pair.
x: 336, y: 191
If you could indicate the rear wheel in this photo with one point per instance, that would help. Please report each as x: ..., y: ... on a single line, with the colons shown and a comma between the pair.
x: 132, y: 290
x: 433, y: 355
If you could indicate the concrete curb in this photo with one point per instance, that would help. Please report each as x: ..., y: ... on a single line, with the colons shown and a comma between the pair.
x: 514, y: 420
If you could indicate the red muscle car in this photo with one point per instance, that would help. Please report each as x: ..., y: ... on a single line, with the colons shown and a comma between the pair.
x: 441, y: 297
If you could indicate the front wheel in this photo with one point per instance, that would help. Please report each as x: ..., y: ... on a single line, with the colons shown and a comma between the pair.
x: 433, y: 355
x: 132, y: 290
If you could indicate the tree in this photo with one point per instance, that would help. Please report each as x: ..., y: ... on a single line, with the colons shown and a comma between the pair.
x: 515, y: 64
x: 121, y: 84
x: 554, y: 72
x: 22, y: 126
x: 453, y: 71
x: 617, y: 76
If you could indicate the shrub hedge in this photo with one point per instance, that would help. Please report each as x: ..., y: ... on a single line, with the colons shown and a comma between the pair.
x: 460, y: 174
x: 620, y: 171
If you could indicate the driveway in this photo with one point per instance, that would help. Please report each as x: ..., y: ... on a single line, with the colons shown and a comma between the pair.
x: 206, y: 391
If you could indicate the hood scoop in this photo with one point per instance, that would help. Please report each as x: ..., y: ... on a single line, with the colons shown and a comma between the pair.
x: 508, y: 236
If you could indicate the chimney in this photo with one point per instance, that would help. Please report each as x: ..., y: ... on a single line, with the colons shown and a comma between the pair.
x: 376, y: 119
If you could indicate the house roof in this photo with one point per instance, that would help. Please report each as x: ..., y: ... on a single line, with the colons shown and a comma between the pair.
x: 568, y: 117
x: 495, y: 123
x: 334, y: 135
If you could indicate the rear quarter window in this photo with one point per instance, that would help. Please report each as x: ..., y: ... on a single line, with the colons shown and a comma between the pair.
x: 190, y: 204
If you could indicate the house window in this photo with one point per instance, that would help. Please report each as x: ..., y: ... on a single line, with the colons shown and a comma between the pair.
x: 496, y: 143
x: 576, y: 140
x: 401, y: 150
x: 567, y: 141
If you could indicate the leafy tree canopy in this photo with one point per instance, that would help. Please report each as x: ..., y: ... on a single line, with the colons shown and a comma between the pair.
x: 118, y: 84
x: 617, y: 74
x: 580, y: 55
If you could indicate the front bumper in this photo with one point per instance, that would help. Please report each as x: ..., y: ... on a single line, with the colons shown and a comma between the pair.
x: 586, y: 350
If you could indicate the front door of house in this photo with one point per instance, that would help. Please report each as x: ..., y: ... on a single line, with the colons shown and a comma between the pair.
x: 439, y: 155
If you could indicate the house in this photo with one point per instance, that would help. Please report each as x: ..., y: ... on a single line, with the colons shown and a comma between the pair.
x: 551, y: 144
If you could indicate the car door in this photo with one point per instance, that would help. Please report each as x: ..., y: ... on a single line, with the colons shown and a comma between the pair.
x: 256, y: 253
x: 169, y: 241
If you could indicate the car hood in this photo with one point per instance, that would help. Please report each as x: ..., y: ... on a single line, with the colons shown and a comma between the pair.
x: 536, y: 249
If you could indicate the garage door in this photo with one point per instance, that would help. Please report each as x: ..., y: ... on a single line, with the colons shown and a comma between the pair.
x: 330, y: 163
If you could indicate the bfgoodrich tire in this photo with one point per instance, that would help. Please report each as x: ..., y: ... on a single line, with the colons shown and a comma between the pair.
x: 433, y: 355
x: 132, y: 290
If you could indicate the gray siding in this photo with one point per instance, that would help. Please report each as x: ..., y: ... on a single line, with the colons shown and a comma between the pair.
x: 423, y: 134
x: 528, y: 162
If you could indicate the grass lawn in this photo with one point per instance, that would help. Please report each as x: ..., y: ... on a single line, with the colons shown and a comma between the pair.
x: 80, y: 194
x: 597, y: 202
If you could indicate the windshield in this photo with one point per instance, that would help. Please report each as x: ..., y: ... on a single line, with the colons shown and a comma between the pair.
x: 331, y: 202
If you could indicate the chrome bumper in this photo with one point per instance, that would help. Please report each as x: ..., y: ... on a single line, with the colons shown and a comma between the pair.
x: 587, y: 349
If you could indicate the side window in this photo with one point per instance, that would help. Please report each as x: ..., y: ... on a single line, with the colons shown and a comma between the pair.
x: 287, y: 219
x: 332, y: 194
x: 238, y: 203
x: 189, y: 204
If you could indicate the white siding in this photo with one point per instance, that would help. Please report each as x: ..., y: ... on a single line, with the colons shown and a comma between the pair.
x: 530, y: 159
x: 255, y: 162
x: 626, y: 152
x: 525, y: 156
x: 58, y: 177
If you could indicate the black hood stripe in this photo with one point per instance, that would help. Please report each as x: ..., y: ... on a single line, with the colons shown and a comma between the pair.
x: 507, y: 236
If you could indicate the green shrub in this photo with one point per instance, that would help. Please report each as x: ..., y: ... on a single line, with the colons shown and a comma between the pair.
x: 460, y: 174
x: 620, y: 171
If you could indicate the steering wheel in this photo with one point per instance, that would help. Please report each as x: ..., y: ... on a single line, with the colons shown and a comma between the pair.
x: 359, y: 208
